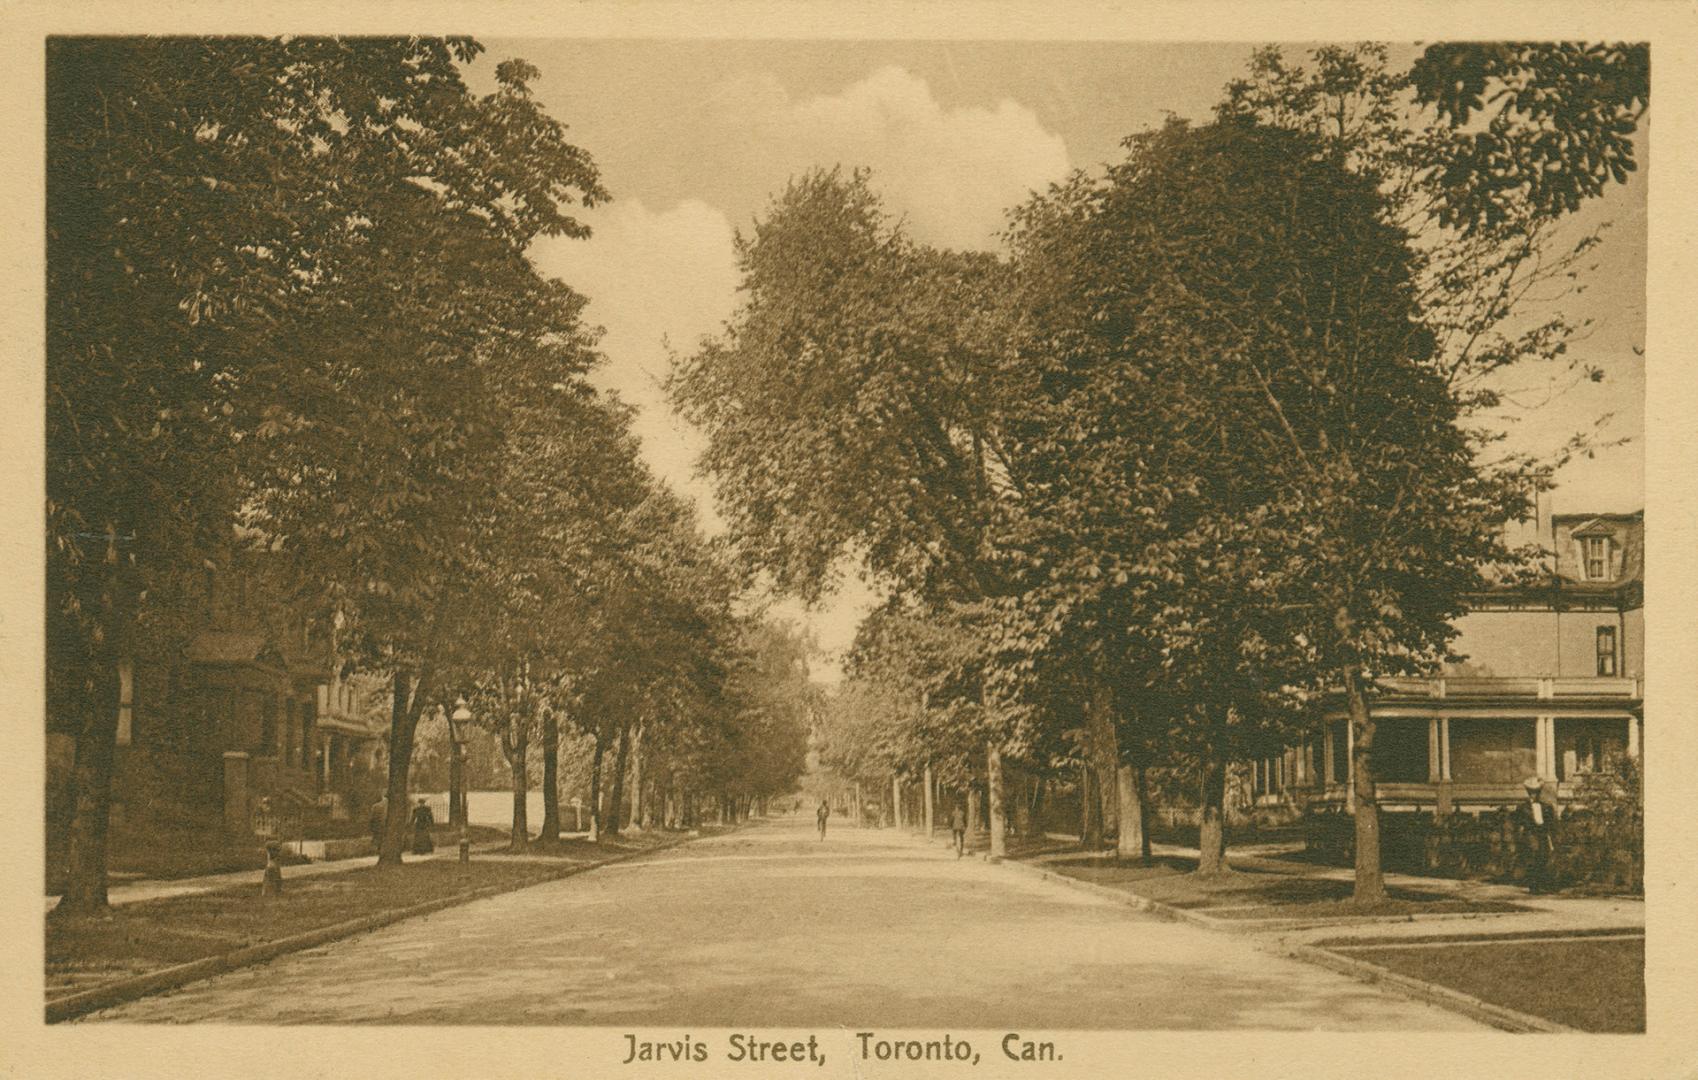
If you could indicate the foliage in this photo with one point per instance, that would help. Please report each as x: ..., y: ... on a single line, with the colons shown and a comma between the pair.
x: 265, y: 259
x: 1558, y: 120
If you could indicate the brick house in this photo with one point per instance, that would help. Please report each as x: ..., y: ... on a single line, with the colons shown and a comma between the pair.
x: 237, y: 726
x: 1552, y: 686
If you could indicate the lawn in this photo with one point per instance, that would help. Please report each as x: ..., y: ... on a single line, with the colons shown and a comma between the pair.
x: 133, y: 939
x: 1257, y: 894
x: 1586, y: 983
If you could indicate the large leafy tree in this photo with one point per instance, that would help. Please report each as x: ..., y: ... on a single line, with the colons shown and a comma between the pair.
x: 1477, y: 152
x: 210, y: 201
x: 849, y: 405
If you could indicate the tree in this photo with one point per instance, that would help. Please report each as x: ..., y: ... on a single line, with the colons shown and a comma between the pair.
x: 847, y: 405
x: 210, y: 200
x: 380, y: 497
x: 1559, y: 119
x: 1482, y: 203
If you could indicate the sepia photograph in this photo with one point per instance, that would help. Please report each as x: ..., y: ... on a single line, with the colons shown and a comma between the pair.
x: 824, y: 555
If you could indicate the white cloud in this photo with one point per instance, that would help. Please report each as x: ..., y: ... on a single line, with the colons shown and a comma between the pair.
x: 652, y: 278
x: 952, y: 172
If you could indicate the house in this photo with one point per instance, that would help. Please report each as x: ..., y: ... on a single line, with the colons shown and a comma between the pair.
x: 240, y: 724
x: 1552, y: 685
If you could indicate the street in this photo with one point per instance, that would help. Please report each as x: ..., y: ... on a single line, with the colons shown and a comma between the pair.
x: 769, y: 927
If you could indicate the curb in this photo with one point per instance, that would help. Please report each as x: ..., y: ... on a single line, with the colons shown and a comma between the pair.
x: 121, y: 991
x: 1432, y: 993
x: 1125, y: 899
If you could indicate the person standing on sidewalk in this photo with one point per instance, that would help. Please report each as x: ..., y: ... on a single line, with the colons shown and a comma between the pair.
x: 958, y: 829
x: 423, y: 822
x: 820, y: 816
x: 1536, y: 826
x: 376, y: 820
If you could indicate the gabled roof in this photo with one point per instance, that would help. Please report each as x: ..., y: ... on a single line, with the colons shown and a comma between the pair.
x: 1593, y: 527
x: 234, y: 647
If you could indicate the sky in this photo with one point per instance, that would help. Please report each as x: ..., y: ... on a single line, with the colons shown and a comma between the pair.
x: 694, y: 138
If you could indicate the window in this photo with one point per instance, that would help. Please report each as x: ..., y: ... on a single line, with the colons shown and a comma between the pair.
x: 1606, y: 650
x: 1597, y: 553
x: 126, y: 702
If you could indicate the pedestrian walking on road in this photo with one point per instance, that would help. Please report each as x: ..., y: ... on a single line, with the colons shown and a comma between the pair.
x: 423, y: 822
x: 958, y: 829
x: 820, y: 816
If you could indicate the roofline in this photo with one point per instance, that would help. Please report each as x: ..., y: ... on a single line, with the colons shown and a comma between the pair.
x: 1629, y: 515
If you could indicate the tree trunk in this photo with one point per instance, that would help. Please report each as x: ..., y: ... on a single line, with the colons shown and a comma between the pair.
x: 1105, y: 751
x: 521, y: 835
x: 929, y: 807
x: 1211, y: 831
x: 595, y: 784
x: 972, y: 797
x: 637, y: 781
x: 895, y: 801
x: 85, y: 883
x: 993, y: 796
x: 1090, y: 808
x: 97, y: 739
x: 615, y: 803
x: 1131, y: 840
x: 1370, y: 878
x: 550, y: 778
x: 1144, y: 814
x: 404, y: 711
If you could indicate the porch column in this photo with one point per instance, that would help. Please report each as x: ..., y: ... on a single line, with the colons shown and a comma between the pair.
x: 1438, y: 737
x: 1326, y: 757
x: 1544, y: 747
x: 1633, y: 736
x: 1435, y: 756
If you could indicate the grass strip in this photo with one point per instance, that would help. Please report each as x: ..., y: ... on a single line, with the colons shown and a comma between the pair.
x: 1592, y: 985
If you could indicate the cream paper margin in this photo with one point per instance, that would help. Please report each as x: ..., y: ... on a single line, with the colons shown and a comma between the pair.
x: 1670, y: 1049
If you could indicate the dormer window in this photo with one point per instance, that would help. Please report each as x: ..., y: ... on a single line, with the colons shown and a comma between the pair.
x: 1596, y: 552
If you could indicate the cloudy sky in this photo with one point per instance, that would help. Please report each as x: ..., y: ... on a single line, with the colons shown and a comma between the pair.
x: 694, y: 137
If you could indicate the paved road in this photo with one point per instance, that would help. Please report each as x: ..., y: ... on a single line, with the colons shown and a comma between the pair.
x: 769, y: 927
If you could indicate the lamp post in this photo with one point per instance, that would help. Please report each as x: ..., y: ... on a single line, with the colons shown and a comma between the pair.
x: 459, y: 728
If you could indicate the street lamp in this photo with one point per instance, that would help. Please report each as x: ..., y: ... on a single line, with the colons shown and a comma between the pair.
x: 459, y: 729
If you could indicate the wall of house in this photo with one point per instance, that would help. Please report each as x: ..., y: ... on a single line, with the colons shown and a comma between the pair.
x: 1634, y: 623
x: 1546, y: 644
x: 1507, y: 644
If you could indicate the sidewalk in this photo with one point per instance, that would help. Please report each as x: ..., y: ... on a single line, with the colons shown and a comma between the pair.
x: 136, y: 891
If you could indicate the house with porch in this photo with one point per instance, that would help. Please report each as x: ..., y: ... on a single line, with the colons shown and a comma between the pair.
x: 1552, y: 685
x: 240, y: 726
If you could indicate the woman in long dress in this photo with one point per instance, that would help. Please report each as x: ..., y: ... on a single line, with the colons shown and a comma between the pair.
x: 423, y: 821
